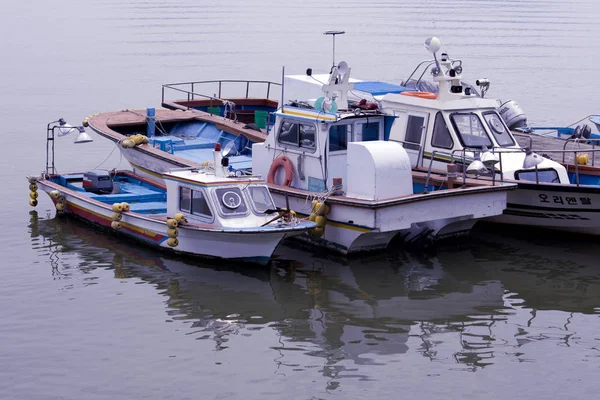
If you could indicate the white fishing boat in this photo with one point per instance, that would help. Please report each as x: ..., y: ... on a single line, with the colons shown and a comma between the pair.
x: 327, y: 150
x: 207, y: 212
x: 454, y: 123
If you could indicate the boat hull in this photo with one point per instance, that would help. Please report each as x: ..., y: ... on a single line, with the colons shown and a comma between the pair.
x: 356, y: 227
x: 253, y: 246
x: 561, y: 207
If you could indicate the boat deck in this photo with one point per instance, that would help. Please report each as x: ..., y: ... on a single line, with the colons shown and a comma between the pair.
x: 105, y: 123
x: 552, y: 147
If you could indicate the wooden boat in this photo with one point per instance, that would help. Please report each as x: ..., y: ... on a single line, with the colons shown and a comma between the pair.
x: 204, y: 212
x: 189, y: 128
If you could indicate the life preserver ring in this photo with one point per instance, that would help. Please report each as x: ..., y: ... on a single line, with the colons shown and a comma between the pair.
x: 422, y: 95
x: 279, y: 162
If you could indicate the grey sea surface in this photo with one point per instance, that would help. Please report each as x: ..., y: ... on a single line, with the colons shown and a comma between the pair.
x: 502, y: 314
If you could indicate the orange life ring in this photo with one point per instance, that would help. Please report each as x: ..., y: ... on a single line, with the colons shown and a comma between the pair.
x: 279, y: 162
x: 422, y: 95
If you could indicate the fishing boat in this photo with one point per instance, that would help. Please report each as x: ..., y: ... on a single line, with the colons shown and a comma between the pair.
x: 455, y: 124
x: 235, y: 116
x: 206, y: 211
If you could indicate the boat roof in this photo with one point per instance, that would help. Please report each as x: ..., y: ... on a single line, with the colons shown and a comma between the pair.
x: 208, y: 178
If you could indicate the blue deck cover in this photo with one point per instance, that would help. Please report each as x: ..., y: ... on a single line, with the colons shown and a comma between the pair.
x: 377, y: 88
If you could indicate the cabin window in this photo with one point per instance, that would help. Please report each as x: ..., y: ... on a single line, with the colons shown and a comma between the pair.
x: 338, y: 137
x: 370, y: 131
x: 544, y: 175
x: 441, y: 134
x: 185, y: 199
x: 298, y: 134
x: 231, y: 201
x: 414, y: 132
x: 261, y: 199
x: 470, y: 130
x: 498, y: 129
x: 200, y: 204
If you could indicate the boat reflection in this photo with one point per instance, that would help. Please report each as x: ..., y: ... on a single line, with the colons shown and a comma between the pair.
x: 444, y: 306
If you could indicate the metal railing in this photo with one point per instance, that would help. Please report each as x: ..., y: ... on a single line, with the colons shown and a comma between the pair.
x: 189, y: 89
x: 590, y: 142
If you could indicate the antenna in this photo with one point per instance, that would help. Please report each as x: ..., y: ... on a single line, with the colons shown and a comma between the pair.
x: 333, y: 33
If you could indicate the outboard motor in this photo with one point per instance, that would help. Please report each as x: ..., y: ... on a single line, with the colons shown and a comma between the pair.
x: 581, y: 132
x: 513, y: 115
x: 98, y: 181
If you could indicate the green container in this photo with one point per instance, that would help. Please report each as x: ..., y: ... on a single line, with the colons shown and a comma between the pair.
x: 260, y: 118
x: 214, y: 110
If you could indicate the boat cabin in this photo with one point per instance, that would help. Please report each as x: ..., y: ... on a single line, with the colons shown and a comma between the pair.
x: 228, y: 201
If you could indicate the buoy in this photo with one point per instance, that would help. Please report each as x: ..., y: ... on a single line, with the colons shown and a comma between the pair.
x: 33, y: 187
x: 173, y: 242
x: 116, y: 216
x: 126, y: 207
x: 145, y: 140
x: 33, y: 202
x: 286, y: 164
x: 173, y: 233
x: 172, y: 223
x: 137, y: 139
x: 117, y: 207
x: 33, y: 195
x: 86, y: 122
x: 127, y: 143
x: 116, y: 225
x: 60, y: 206
x: 321, y: 221
x: 322, y: 209
x: 55, y: 194
x: 318, y: 215
x: 317, y: 232
x: 583, y: 159
x: 179, y: 217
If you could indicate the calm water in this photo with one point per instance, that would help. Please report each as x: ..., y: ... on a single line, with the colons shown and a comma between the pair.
x: 85, y: 315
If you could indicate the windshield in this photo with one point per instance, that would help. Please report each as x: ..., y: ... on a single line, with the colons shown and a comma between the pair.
x: 261, y: 198
x: 470, y: 130
x: 498, y: 129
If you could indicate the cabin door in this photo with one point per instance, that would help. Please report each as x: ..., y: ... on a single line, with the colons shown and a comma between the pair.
x: 415, y: 127
x: 337, y: 145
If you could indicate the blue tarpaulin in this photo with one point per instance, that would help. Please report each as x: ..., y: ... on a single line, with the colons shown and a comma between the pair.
x: 378, y: 88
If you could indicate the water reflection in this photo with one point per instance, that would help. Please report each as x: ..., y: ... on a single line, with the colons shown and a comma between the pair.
x: 463, y: 305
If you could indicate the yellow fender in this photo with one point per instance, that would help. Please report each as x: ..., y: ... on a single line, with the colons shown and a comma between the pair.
x: 33, y: 195
x: 60, y: 207
x: 117, y: 207
x: 127, y: 143
x: 317, y: 232
x: 180, y: 218
x: 126, y: 207
x: 583, y: 159
x: 172, y: 223
x: 55, y: 194
x: 116, y: 225
x: 173, y: 242
x: 33, y: 187
x: 33, y: 202
x: 173, y: 233
x: 116, y: 216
